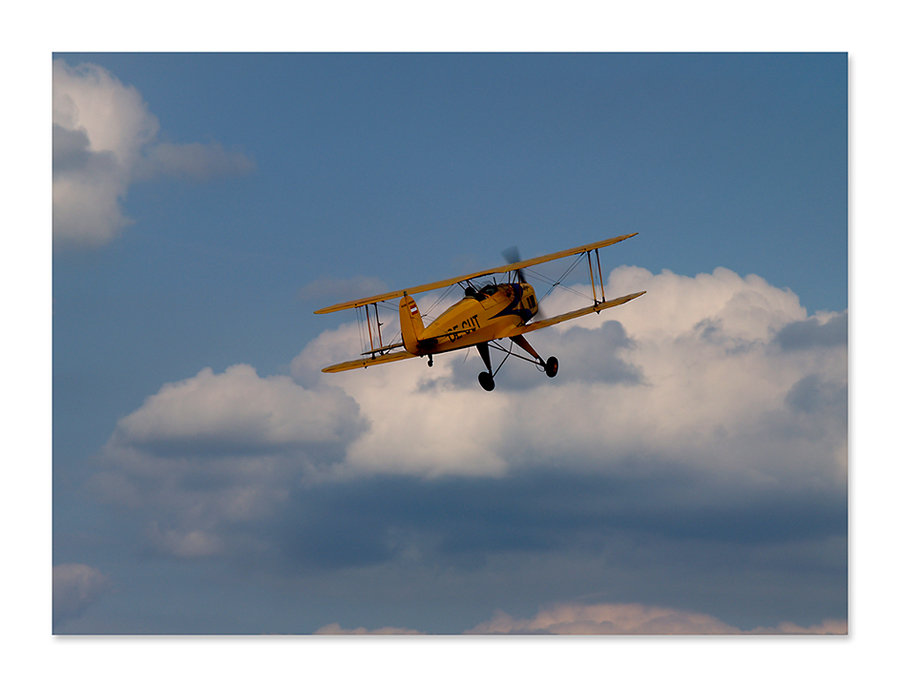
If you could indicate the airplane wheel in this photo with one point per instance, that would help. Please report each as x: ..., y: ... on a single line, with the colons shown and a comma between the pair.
x: 486, y: 381
x: 552, y: 366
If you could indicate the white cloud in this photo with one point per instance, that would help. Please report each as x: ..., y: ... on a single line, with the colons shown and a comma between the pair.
x: 236, y: 412
x: 217, y: 450
x: 104, y: 139
x: 826, y: 627
x: 421, y: 424
x: 611, y: 619
x: 336, y: 629
x: 113, y: 117
x: 632, y: 619
x: 694, y: 375
x: 617, y: 619
x: 76, y: 587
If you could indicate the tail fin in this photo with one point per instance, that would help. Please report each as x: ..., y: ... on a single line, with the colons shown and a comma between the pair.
x: 411, y: 327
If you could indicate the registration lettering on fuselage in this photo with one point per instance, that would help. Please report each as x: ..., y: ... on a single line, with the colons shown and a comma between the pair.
x: 465, y: 327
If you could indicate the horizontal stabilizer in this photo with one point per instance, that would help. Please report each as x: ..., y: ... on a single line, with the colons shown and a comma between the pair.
x: 383, y: 349
x: 597, y: 307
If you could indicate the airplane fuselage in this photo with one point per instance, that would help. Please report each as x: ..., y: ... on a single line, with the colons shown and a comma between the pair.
x: 492, y: 312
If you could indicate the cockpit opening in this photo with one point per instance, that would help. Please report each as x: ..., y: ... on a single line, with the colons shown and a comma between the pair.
x: 481, y: 293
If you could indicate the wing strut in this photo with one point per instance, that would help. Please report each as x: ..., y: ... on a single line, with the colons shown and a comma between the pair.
x: 369, y: 322
x: 599, y: 277
x: 378, y: 323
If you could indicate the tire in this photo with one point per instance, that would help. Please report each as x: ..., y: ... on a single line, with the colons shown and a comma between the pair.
x: 486, y: 381
x: 552, y: 366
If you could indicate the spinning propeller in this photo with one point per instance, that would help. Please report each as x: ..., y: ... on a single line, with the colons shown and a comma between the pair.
x: 511, y: 255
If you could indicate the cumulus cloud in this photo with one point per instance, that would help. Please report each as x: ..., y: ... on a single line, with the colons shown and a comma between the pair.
x: 682, y: 434
x: 610, y: 619
x: 105, y: 139
x: 210, y: 455
x: 826, y: 627
x: 336, y: 629
x: 236, y: 413
x: 695, y: 373
x: 76, y: 587
x: 632, y: 619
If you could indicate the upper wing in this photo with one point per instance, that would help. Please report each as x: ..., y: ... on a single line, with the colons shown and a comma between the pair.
x: 511, y: 267
x: 549, y: 322
x: 368, y: 362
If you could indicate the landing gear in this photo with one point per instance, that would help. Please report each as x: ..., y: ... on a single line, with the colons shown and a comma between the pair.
x: 486, y: 379
x: 430, y: 360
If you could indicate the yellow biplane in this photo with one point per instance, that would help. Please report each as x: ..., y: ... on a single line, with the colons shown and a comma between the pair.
x: 487, y: 314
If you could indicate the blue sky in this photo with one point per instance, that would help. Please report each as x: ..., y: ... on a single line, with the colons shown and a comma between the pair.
x: 692, y: 458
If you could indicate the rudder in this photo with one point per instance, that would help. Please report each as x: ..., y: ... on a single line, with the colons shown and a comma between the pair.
x: 411, y: 326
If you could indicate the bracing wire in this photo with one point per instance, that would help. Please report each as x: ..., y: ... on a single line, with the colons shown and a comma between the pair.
x: 510, y: 352
x: 558, y: 282
x: 440, y: 299
x: 359, y: 330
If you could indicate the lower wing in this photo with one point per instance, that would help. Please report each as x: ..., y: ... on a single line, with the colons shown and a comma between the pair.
x: 368, y: 362
x: 597, y: 307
